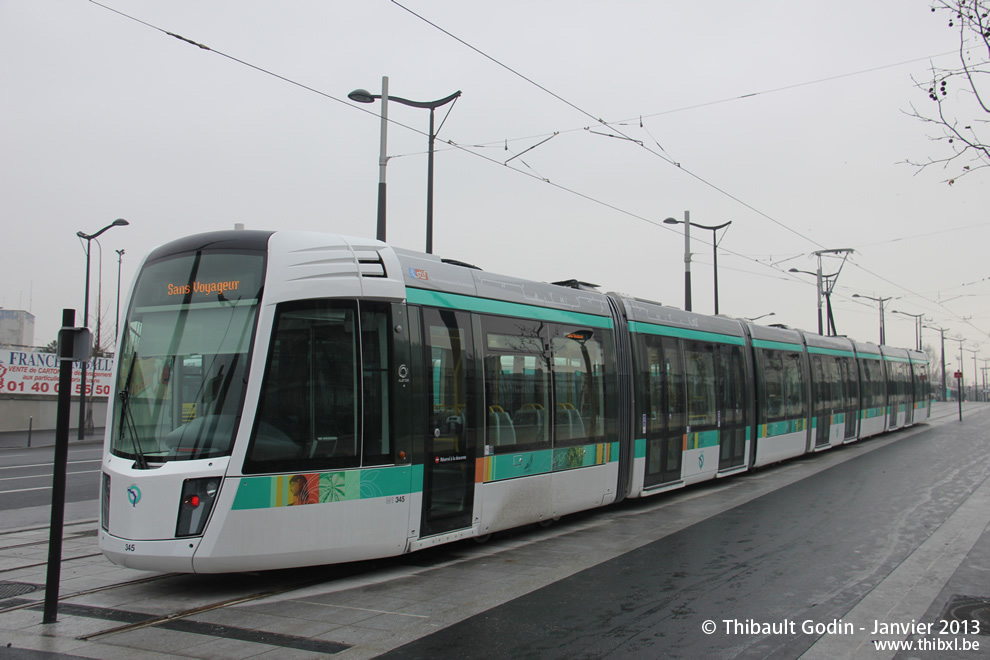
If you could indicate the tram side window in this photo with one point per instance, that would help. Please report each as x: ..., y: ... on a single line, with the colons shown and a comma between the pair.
x: 795, y: 392
x: 517, y: 384
x: 308, y: 411
x: 773, y: 386
x: 653, y: 378
x: 867, y: 385
x: 920, y: 382
x: 449, y: 364
x: 700, y: 368
x: 851, y: 383
x: 579, y: 371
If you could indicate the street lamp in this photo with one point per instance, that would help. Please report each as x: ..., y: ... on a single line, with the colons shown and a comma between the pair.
x: 883, y: 336
x: 119, y: 222
x: 824, y: 291
x: 116, y: 330
x: 941, y: 332
x: 687, y: 253
x: 917, y: 326
x: 364, y: 96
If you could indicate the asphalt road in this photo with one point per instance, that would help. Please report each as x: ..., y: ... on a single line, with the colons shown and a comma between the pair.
x: 807, y: 552
x: 26, y: 483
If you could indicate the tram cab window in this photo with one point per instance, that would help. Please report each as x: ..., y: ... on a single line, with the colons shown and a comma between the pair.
x: 321, y: 362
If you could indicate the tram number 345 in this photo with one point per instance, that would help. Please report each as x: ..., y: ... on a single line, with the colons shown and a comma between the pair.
x: 129, y: 547
x: 398, y: 499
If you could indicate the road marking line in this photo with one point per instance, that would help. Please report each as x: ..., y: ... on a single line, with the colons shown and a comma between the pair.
x: 30, y: 465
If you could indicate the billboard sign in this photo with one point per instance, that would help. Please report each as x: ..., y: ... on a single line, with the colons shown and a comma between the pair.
x: 34, y: 373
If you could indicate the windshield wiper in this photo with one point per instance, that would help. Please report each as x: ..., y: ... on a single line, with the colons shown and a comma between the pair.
x: 127, y: 418
x: 127, y: 421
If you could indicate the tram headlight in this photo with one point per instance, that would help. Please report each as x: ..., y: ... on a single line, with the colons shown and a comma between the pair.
x: 195, y: 505
x: 105, y: 503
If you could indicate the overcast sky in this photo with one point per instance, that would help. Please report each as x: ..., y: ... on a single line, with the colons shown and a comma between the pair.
x: 103, y: 117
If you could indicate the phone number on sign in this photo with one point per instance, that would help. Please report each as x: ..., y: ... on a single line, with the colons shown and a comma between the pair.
x: 52, y: 388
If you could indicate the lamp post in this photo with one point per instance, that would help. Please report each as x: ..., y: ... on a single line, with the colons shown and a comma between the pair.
x: 363, y: 96
x: 687, y: 253
x: 961, y: 341
x: 881, y: 301
x: 941, y: 332
x: 824, y: 291
x: 976, y: 374
x: 116, y: 330
x: 983, y: 369
x: 917, y: 326
x: 119, y: 222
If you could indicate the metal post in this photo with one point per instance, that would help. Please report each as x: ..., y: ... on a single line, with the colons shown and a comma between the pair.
x: 820, y: 328
x: 382, y: 162
x: 30, y: 427
x: 116, y: 329
x: 976, y: 381
x: 82, y: 381
x: 942, y: 333
x: 715, y: 262
x: 959, y: 385
x: 429, y: 190
x: 883, y: 335
x: 59, y: 466
x: 687, y: 261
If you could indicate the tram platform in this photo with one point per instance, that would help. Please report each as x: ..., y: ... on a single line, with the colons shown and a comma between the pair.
x: 891, y: 531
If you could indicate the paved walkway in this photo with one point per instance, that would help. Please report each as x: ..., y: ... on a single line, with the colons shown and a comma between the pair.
x: 406, y: 605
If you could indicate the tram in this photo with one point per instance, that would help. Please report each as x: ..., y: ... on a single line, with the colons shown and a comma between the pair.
x: 288, y: 399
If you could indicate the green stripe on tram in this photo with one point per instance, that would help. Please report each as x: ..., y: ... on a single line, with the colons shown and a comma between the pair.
x: 503, y: 308
x: 267, y: 492
x: 684, y: 333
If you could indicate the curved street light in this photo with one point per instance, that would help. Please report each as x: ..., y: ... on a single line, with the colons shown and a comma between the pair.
x: 917, y: 325
x: 825, y: 291
x: 687, y: 253
x: 881, y: 301
x: 119, y: 222
x: 364, y: 96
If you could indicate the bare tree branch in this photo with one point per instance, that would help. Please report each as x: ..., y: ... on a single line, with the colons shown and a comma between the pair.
x: 962, y: 117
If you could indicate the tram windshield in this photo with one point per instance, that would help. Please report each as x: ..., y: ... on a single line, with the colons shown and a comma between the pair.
x: 183, y: 363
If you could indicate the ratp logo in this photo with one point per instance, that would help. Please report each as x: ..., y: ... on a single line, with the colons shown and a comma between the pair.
x: 133, y: 494
x: 419, y: 274
x: 701, y: 461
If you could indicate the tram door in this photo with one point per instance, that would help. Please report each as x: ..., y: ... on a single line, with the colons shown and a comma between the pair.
x: 664, y: 412
x: 850, y: 376
x: 822, y: 388
x: 912, y: 393
x: 451, y: 433
x: 731, y: 375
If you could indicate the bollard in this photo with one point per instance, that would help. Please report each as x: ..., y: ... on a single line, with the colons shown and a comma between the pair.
x: 30, y: 426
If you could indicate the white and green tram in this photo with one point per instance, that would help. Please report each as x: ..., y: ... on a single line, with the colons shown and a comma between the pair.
x: 290, y: 399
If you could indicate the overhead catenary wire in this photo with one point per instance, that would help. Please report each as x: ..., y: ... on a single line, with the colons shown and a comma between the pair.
x: 534, y: 175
